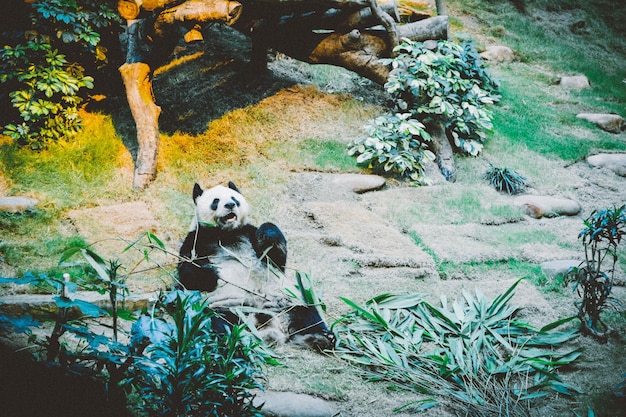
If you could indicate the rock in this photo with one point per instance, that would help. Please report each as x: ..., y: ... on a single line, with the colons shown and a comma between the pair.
x: 498, y: 53
x: 289, y: 404
x: 360, y: 183
x: 552, y: 269
x: 574, y: 82
x: 17, y: 204
x: 370, y: 239
x: 545, y: 206
x: 616, y: 162
x: 610, y: 122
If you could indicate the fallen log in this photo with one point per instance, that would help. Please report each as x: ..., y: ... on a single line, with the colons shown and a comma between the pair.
x: 354, y: 34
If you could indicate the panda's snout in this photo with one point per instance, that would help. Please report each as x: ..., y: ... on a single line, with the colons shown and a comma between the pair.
x: 230, y: 205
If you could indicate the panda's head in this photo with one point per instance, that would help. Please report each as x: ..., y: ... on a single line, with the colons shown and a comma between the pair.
x: 220, y: 206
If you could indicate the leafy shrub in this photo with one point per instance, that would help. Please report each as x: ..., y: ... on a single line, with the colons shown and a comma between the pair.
x: 506, y: 180
x: 473, y: 355
x: 449, y: 86
x: 601, y: 237
x: 396, y: 144
x: 174, y: 360
x: 44, y: 84
x: 191, y: 370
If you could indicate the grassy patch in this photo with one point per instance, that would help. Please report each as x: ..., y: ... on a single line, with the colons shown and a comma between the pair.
x: 38, y: 255
x: 522, y: 123
x: 88, y: 168
x: 327, y: 155
x: 474, y: 270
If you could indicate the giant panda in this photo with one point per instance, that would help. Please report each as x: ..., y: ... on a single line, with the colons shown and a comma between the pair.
x: 242, y: 268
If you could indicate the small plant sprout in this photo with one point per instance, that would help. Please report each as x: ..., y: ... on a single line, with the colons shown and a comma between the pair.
x: 601, y: 237
x: 506, y: 180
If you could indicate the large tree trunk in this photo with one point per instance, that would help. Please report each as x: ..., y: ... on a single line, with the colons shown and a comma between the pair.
x: 140, y: 53
x: 443, y: 151
x: 138, y: 83
x: 354, y: 34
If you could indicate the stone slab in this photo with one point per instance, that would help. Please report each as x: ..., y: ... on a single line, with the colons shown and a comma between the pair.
x: 371, y: 240
x: 359, y: 183
x: 538, y: 206
x: 290, y: 404
x: 615, y: 162
x: 17, y: 204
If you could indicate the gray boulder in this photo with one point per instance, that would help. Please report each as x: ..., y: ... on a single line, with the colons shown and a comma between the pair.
x: 574, y: 82
x: 552, y: 269
x: 17, y: 204
x: 615, y: 162
x: 538, y: 206
x: 610, y: 122
x: 498, y: 53
x: 289, y: 404
x: 359, y: 183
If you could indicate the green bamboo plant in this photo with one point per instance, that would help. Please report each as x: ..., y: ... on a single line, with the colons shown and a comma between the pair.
x: 592, y: 279
x: 471, y: 355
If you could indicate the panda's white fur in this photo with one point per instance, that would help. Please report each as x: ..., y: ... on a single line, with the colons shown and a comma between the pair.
x: 230, y: 203
x: 244, y: 278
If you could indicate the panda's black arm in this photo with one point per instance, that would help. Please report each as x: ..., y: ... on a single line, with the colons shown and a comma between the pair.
x: 271, y: 242
x: 194, y: 277
x: 194, y: 270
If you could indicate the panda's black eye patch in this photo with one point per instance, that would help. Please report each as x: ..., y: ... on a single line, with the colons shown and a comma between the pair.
x: 236, y: 201
x: 215, y: 204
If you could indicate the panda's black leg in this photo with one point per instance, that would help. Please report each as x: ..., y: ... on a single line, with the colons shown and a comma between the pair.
x: 271, y: 243
x: 194, y: 277
x: 223, y: 320
x: 306, y: 326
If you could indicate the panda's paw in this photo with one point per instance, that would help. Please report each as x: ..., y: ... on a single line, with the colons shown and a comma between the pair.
x: 316, y: 341
x: 271, y: 245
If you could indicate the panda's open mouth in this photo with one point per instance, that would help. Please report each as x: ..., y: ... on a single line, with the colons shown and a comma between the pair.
x: 230, y: 217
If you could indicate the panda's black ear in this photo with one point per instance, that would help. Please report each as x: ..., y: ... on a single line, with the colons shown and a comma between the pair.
x: 197, y: 191
x: 232, y: 186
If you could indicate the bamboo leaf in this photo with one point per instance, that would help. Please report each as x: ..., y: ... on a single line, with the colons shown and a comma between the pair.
x: 397, y: 301
x: 359, y: 309
x: 556, y: 324
x: 502, y: 299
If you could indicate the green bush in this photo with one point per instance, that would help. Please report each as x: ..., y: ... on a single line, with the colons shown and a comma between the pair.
x: 174, y: 364
x: 395, y: 143
x: 472, y: 355
x: 190, y: 370
x: 592, y: 280
x: 44, y: 84
x: 447, y: 86
x: 506, y: 180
